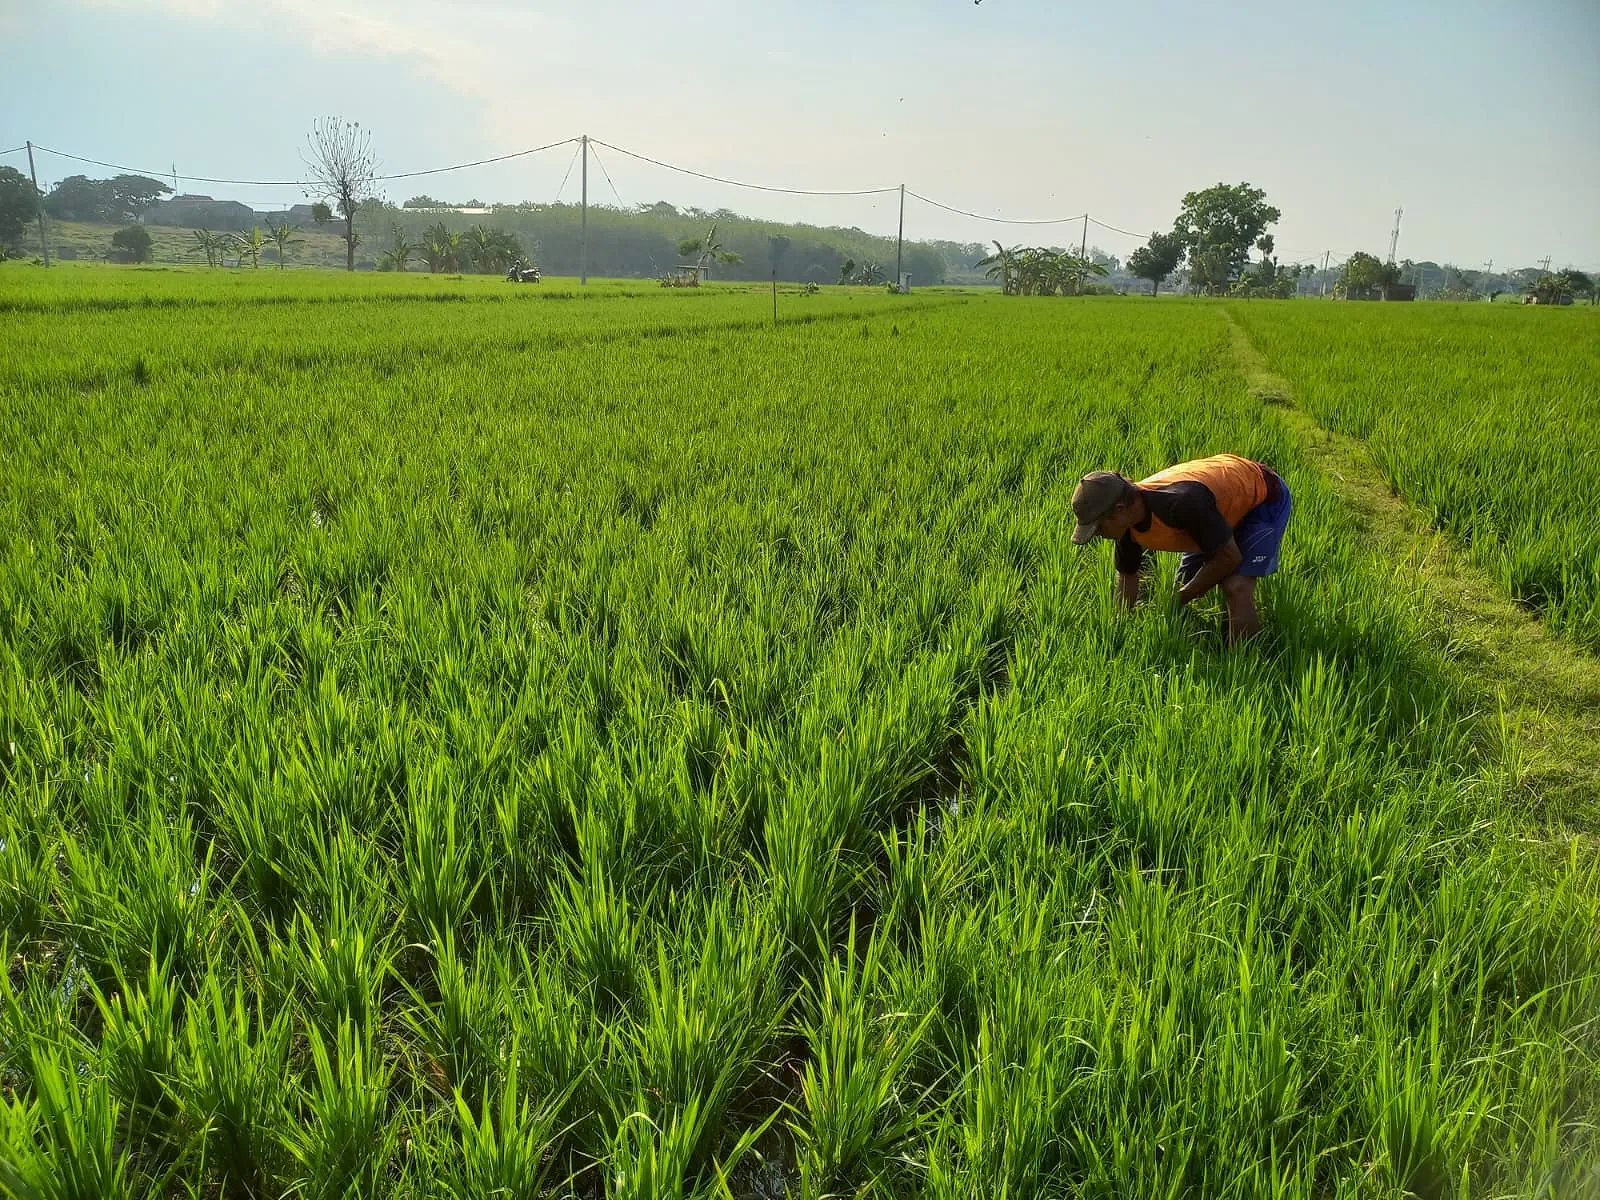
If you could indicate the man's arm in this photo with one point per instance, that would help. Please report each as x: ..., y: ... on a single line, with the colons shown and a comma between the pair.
x: 1217, y: 568
x: 1128, y: 588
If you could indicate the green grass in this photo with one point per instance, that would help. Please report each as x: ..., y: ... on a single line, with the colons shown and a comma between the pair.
x: 613, y: 747
x: 1482, y: 417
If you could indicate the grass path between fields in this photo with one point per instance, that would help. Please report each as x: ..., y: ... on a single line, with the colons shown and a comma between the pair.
x: 1545, y: 689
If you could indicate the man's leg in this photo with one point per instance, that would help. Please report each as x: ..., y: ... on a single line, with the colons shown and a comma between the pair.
x: 1244, y: 622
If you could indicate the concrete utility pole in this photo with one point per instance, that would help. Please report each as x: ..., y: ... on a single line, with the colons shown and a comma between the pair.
x: 1544, y: 264
x: 1325, y: 255
x: 583, y: 225
x: 1083, y: 248
x: 1394, y: 236
x: 899, y: 242
x: 44, y: 234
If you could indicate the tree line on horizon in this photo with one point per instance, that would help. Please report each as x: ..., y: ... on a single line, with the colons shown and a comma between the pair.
x: 1209, y: 246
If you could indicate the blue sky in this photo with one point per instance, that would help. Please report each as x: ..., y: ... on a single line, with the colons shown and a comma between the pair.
x: 1482, y: 119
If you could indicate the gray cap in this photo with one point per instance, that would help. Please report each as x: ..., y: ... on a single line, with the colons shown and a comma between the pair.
x: 1097, y: 494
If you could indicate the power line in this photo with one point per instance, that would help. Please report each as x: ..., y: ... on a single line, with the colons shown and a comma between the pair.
x: 759, y: 187
x: 18, y: 150
x: 295, y: 183
x: 607, y: 174
x: 576, y: 150
x: 996, y: 220
x: 478, y: 163
x: 1125, y: 232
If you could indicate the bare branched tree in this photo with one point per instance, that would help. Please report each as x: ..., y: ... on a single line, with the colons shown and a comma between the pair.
x: 343, y: 166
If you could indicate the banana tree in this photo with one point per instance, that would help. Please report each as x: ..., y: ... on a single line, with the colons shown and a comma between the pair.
x: 1002, y: 265
x: 210, y: 244
x: 280, y: 235
x: 1074, y: 270
x: 707, y: 249
x: 250, y: 245
x: 398, y: 256
x: 441, y: 248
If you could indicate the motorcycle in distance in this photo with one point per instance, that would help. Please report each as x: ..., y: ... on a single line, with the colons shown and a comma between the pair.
x: 522, y: 273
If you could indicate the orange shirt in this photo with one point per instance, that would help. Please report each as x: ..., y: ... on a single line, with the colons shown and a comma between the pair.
x: 1237, y: 484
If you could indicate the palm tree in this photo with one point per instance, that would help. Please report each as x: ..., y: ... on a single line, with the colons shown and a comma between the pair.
x: 846, y: 271
x: 1002, y: 265
x: 708, y: 250
x: 280, y: 238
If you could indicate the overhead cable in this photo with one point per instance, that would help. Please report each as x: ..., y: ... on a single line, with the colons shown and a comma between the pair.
x: 607, y: 174
x: 759, y: 187
x: 294, y: 182
x: 997, y: 220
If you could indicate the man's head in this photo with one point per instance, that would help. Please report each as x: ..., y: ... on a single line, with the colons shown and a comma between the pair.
x: 1106, y: 504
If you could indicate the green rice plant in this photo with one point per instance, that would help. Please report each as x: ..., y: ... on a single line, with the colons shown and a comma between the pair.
x: 706, y: 1023
x: 64, y: 1143
x: 656, y: 1158
x: 598, y: 935
x: 857, y: 1111
x: 348, y: 1138
x: 142, y: 889
x: 141, y: 1049
x: 438, y: 884
x: 232, y: 1085
x: 458, y: 1020
x: 507, y: 1147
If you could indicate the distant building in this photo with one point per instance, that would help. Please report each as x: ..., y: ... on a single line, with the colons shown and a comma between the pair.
x: 201, y: 212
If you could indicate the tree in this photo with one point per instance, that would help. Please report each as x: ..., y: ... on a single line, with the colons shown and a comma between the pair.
x: 249, y: 245
x: 280, y: 235
x: 424, y: 201
x: 134, y: 243
x: 129, y: 196
x: 343, y: 169
x: 124, y: 198
x: 1364, y: 276
x: 707, y: 249
x: 1562, y: 287
x: 441, y: 248
x: 1002, y: 265
x: 1156, y: 259
x: 321, y: 213
x: 211, y: 245
x: 19, y: 204
x: 1219, y: 226
x: 1074, y: 270
x: 398, y: 256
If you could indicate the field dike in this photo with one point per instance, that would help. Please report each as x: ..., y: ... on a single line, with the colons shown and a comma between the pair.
x: 1541, y: 693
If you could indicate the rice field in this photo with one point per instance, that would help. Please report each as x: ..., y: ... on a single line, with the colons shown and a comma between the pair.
x: 1489, y: 420
x: 601, y: 745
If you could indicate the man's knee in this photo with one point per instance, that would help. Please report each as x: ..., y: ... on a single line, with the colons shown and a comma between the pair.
x: 1239, y: 588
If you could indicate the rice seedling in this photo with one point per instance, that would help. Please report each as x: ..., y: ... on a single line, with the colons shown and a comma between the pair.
x: 456, y: 742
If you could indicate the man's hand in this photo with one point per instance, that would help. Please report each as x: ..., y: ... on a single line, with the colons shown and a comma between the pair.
x: 1218, y: 567
x: 1128, y: 588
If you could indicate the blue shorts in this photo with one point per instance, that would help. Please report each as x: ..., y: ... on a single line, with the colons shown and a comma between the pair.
x: 1259, y: 534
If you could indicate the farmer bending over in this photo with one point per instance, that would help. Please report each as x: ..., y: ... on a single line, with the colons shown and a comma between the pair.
x: 1226, y: 514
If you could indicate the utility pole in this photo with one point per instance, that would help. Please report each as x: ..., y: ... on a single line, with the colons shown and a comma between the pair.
x: 1083, y: 250
x: 1394, y: 236
x: 899, y: 248
x: 1488, y: 269
x: 44, y: 234
x: 1544, y: 264
x: 1325, y: 255
x: 583, y: 227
